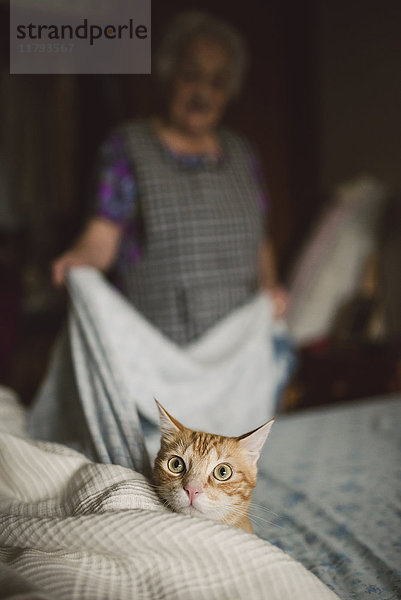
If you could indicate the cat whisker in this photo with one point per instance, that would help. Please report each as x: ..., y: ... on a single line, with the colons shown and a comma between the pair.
x: 243, y: 512
x: 263, y: 508
x: 252, y: 517
x: 254, y: 511
x: 258, y: 515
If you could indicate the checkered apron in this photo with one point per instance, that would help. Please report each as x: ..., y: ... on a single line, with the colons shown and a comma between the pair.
x: 202, y: 230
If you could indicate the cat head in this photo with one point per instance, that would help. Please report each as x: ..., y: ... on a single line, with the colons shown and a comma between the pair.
x: 204, y: 474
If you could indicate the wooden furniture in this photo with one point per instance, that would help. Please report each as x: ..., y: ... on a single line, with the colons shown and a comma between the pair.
x: 337, y: 372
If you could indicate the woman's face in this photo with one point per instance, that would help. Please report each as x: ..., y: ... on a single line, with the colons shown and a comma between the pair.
x: 201, y: 87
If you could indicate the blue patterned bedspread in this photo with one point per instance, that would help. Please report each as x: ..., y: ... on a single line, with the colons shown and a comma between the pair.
x: 333, y: 478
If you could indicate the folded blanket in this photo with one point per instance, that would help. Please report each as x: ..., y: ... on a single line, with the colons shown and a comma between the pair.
x: 73, y: 529
x: 112, y: 362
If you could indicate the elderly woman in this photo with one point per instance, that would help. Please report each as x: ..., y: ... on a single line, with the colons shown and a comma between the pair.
x: 180, y: 206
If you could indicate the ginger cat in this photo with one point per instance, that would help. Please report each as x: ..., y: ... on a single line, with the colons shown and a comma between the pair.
x: 208, y: 475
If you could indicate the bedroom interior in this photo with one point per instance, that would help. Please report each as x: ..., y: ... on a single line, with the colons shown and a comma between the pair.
x: 321, y: 103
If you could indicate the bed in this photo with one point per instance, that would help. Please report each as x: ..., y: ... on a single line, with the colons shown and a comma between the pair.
x: 329, y: 482
x: 87, y: 525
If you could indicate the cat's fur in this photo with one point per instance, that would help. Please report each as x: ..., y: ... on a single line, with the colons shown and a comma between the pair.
x: 195, y: 490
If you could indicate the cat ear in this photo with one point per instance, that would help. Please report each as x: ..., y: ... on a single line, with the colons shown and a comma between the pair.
x: 168, y: 425
x: 253, y: 441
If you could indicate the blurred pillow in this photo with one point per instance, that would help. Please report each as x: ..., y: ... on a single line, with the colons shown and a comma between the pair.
x: 330, y: 266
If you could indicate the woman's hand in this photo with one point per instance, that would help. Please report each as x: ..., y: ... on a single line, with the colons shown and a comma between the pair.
x: 62, y: 264
x: 97, y: 247
x: 280, y: 298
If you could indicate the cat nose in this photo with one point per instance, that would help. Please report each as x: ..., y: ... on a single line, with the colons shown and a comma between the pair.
x: 192, y: 491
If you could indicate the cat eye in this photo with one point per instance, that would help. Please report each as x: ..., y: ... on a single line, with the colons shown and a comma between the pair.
x: 176, y: 465
x: 222, y: 472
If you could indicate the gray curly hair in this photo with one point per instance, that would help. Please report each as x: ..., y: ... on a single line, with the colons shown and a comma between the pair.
x: 192, y: 24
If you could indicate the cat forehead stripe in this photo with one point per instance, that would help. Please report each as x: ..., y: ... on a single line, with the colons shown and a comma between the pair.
x: 203, y: 443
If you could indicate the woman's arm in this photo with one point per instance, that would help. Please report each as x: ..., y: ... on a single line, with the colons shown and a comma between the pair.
x: 268, y: 279
x: 96, y: 247
x: 267, y: 269
x: 114, y: 206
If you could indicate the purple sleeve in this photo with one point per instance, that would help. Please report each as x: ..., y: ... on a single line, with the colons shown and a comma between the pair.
x: 115, y: 186
x: 258, y: 174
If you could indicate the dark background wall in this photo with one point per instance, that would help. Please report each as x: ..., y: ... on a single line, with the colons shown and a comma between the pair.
x: 359, y: 67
